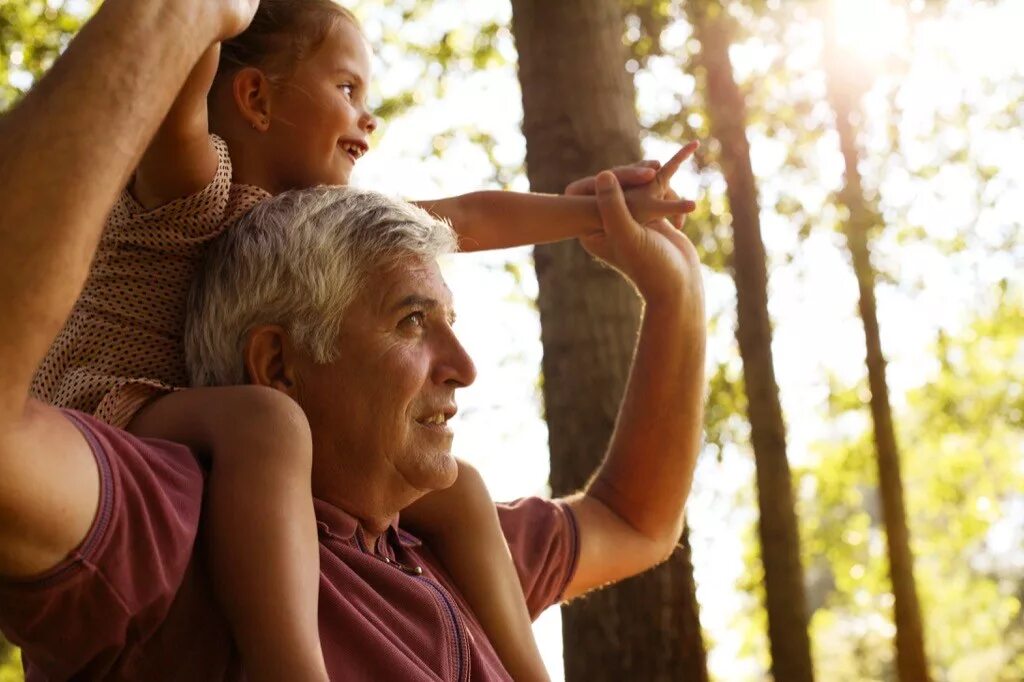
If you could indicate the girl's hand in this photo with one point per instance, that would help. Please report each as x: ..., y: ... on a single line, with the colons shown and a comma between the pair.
x: 646, y: 187
x: 656, y: 200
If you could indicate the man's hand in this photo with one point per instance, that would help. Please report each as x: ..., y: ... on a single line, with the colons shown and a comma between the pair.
x: 236, y: 15
x: 210, y: 21
x: 657, y: 258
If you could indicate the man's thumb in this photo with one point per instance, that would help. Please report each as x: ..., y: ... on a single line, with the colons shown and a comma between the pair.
x: 611, y: 202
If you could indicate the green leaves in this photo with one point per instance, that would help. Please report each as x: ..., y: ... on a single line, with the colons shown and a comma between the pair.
x: 962, y: 439
x: 10, y: 663
x: 32, y: 34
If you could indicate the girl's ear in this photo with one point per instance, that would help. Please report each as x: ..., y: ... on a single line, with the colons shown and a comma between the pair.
x: 250, y: 89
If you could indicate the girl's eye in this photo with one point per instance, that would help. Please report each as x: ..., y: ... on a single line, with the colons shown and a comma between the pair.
x: 347, y: 88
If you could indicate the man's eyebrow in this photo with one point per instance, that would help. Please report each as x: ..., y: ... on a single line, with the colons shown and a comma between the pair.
x: 417, y: 301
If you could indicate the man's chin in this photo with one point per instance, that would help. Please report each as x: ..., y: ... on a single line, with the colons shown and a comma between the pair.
x: 453, y: 473
x: 439, y: 473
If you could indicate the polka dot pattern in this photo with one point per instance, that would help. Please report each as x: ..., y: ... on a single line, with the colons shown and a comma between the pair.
x: 122, y: 344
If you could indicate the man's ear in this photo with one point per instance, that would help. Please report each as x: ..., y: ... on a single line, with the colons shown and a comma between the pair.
x: 270, y: 359
x: 251, y: 92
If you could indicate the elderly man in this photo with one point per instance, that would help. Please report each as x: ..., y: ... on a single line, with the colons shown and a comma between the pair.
x: 100, y: 575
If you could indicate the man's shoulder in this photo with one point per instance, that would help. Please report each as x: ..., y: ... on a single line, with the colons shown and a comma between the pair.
x: 122, y: 579
x: 543, y: 537
x: 150, y: 494
x: 543, y: 510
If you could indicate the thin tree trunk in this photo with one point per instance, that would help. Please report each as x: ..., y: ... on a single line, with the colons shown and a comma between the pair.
x: 579, y: 118
x: 780, y: 548
x: 911, y: 660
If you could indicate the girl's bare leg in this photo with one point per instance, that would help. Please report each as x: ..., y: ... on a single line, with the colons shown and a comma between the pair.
x: 260, y: 528
x: 476, y: 555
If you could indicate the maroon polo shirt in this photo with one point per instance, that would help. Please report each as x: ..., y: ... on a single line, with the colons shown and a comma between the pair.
x: 134, y: 602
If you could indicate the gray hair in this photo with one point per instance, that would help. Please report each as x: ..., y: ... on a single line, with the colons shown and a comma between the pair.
x: 298, y: 260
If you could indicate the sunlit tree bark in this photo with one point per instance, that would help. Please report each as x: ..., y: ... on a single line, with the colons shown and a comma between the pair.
x: 777, y: 526
x: 845, y: 87
x: 580, y: 118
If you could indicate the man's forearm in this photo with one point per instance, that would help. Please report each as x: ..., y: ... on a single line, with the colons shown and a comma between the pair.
x: 647, y: 473
x: 65, y: 153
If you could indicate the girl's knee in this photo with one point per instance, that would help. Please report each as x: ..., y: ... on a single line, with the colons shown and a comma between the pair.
x: 269, y: 424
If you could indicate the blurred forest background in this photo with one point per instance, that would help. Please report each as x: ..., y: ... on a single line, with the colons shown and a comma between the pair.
x: 858, y: 510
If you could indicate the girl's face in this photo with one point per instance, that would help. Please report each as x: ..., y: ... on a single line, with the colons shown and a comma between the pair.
x: 319, y: 124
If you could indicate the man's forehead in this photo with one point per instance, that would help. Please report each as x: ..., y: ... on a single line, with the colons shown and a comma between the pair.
x: 409, y: 282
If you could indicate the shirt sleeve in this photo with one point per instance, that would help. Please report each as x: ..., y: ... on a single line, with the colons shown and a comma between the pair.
x: 178, y: 224
x: 544, y: 540
x: 116, y: 588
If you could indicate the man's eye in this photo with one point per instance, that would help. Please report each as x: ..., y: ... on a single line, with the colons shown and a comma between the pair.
x: 415, y: 320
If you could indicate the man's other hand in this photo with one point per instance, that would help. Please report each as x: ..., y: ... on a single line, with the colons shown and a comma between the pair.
x: 657, y: 258
x: 232, y: 16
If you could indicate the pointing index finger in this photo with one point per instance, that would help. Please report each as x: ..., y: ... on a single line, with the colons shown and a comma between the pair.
x: 669, y: 169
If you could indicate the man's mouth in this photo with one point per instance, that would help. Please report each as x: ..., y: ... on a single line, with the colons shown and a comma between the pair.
x: 437, y: 421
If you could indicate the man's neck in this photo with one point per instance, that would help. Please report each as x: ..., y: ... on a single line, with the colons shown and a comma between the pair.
x: 373, y: 501
x: 373, y: 519
x: 373, y: 528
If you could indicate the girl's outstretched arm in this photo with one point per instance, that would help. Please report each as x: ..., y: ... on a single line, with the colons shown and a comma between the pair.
x: 496, y: 219
x: 462, y: 526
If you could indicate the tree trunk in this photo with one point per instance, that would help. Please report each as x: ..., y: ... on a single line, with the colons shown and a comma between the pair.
x: 579, y: 118
x: 780, y: 543
x: 844, y: 95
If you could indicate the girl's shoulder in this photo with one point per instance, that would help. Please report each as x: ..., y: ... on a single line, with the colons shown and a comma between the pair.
x: 197, y: 217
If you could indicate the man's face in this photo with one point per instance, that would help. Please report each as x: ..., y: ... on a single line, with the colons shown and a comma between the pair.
x: 379, y: 411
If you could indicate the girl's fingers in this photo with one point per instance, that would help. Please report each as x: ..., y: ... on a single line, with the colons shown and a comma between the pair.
x: 670, y: 207
x: 666, y: 172
x: 628, y: 176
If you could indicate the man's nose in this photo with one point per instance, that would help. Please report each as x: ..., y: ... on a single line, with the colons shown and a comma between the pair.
x: 454, y: 367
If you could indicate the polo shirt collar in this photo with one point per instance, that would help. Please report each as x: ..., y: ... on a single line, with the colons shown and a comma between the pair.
x: 340, y: 524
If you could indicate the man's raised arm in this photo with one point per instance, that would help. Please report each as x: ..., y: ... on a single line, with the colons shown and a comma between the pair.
x: 65, y: 153
x: 631, y: 514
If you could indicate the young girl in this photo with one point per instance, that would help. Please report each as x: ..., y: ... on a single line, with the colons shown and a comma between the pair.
x: 287, y: 98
